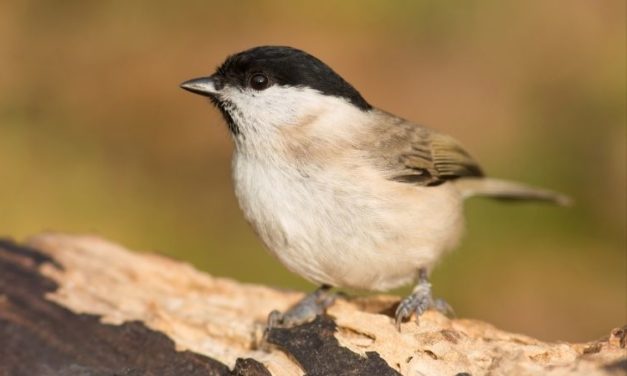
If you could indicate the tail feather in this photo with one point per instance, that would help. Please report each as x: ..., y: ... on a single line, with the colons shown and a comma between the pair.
x: 508, y: 190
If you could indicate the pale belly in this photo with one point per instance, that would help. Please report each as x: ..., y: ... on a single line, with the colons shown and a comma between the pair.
x: 340, y: 231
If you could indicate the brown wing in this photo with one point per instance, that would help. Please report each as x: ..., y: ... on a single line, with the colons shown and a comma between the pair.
x: 414, y: 154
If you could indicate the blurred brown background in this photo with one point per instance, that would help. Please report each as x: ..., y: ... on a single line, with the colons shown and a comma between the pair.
x: 96, y: 136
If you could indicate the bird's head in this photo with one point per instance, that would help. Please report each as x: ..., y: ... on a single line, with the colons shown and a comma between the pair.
x: 271, y: 87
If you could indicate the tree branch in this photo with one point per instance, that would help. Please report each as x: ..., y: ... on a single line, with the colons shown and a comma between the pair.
x: 79, y: 305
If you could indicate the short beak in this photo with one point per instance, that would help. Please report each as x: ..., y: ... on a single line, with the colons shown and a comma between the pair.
x: 206, y: 86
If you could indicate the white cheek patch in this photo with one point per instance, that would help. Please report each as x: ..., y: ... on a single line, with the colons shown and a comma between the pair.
x: 277, y: 106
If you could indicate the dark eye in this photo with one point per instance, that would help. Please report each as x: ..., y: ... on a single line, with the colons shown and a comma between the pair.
x: 259, y: 81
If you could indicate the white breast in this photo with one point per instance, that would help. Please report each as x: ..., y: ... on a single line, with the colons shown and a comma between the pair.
x: 346, y: 227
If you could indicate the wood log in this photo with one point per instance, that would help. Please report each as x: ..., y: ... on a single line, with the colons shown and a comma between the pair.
x: 80, y: 305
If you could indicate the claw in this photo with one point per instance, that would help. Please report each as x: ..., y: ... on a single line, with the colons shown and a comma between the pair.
x: 305, y: 310
x: 443, y: 307
x: 419, y: 301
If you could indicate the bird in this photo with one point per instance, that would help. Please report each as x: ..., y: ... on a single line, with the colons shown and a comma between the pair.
x: 341, y: 192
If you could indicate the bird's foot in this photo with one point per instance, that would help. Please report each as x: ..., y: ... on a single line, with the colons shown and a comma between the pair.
x: 419, y: 301
x: 303, y: 311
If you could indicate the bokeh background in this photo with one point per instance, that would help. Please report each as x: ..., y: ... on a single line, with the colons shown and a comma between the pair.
x: 96, y: 136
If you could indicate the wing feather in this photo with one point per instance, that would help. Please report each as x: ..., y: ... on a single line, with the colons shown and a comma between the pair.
x: 411, y: 153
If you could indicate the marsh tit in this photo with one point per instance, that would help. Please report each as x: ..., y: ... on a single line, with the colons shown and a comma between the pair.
x: 342, y: 193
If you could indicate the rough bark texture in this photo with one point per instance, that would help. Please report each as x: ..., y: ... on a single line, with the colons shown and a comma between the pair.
x: 79, y: 305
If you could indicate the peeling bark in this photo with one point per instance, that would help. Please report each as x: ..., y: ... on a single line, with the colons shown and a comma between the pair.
x: 79, y: 305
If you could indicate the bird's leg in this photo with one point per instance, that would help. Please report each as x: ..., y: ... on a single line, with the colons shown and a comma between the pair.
x: 304, y: 310
x: 420, y: 300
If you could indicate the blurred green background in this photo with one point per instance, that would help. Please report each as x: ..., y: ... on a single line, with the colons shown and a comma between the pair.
x: 96, y: 136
